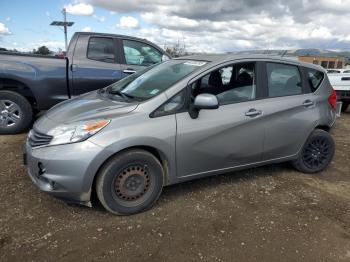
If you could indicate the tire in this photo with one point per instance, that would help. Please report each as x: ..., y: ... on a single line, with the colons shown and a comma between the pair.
x: 345, y: 106
x: 130, y: 182
x: 317, y: 152
x: 16, y: 114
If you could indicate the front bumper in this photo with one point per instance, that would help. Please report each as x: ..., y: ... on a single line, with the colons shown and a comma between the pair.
x: 64, y: 171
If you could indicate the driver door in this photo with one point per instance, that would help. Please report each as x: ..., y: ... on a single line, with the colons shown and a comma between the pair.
x: 224, y: 138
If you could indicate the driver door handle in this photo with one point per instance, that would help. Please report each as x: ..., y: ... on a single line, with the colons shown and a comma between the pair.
x: 129, y: 71
x: 253, y: 112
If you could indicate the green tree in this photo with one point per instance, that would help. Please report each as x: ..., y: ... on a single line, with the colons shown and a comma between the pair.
x: 42, y: 50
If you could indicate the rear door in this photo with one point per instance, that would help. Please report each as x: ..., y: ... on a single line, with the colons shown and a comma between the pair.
x: 229, y: 136
x: 137, y: 55
x: 96, y: 63
x: 289, y: 110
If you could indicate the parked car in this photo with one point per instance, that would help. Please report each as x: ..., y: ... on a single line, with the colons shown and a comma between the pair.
x: 338, y: 71
x: 182, y: 119
x: 341, y: 84
x: 29, y: 83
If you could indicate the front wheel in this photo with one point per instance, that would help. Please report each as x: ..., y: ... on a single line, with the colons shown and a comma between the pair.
x: 130, y: 182
x: 16, y: 113
x: 317, y: 153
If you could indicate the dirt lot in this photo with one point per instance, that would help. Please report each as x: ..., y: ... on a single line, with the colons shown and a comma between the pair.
x: 270, y: 213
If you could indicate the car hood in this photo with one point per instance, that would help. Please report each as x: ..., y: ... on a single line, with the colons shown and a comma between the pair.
x: 92, y: 105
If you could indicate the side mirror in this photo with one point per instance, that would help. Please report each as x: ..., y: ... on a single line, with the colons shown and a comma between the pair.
x: 206, y: 101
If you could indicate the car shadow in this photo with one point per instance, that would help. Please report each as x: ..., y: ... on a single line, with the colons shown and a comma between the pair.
x: 180, y: 190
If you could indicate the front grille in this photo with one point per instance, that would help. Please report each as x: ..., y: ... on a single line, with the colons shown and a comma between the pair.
x: 36, y: 138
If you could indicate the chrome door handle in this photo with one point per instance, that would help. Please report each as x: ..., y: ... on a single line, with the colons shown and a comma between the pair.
x: 253, y: 112
x: 129, y: 71
x: 308, y: 103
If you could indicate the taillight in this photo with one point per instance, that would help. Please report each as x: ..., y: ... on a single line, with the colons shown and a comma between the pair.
x: 332, y: 99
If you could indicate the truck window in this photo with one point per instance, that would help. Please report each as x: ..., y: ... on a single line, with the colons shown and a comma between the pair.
x: 138, y: 53
x: 101, y: 49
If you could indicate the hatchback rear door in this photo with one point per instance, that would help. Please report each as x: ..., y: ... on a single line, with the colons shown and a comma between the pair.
x: 289, y: 110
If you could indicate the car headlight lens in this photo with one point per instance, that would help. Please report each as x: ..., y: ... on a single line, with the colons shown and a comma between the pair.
x: 76, y: 132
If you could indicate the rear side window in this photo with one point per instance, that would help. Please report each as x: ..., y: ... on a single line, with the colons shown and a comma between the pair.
x: 138, y: 53
x: 101, y: 49
x: 315, y: 78
x: 283, y: 80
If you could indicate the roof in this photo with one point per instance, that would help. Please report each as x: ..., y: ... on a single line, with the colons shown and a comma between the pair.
x: 114, y: 35
x: 217, y: 58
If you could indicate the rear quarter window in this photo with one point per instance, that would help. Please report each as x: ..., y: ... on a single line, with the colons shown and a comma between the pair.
x: 315, y: 78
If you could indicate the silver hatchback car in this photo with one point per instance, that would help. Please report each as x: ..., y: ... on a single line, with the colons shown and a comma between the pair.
x: 182, y: 119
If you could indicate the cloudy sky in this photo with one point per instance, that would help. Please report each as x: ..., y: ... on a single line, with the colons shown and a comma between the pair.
x: 203, y: 26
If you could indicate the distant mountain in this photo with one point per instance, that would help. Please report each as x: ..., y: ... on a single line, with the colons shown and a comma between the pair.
x: 301, y: 52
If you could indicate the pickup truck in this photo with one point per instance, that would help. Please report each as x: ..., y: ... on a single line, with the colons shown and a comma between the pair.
x: 341, y: 84
x: 31, y: 83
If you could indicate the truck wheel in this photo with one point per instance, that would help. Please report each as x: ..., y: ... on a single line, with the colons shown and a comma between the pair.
x: 16, y: 113
x: 130, y: 182
x: 344, y: 106
x: 317, y: 152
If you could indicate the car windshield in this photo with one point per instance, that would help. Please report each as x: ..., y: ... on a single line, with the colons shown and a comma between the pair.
x: 153, y: 80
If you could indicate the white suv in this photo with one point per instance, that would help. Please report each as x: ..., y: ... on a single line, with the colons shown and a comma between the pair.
x: 341, y: 84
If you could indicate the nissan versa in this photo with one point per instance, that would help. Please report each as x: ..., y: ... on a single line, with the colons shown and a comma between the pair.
x: 182, y: 119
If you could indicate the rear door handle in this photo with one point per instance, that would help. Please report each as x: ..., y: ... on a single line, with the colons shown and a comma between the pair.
x: 129, y: 71
x: 253, y: 112
x: 308, y: 103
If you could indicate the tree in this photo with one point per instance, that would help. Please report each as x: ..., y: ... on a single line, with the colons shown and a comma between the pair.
x: 176, y: 50
x: 42, y: 50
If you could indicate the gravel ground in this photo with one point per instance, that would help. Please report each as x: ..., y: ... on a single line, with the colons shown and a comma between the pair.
x: 270, y: 213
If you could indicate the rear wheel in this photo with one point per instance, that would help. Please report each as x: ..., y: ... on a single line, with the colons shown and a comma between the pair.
x: 344, y: 106
x: 317, y: 153
x: 16, y: 113
x: 130, y: 182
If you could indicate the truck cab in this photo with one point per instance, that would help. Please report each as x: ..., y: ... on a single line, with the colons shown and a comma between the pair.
x: 31, y: 83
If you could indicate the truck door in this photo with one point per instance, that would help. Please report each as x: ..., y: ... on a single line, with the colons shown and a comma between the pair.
x: 137, y: 55
x: 95, y: 63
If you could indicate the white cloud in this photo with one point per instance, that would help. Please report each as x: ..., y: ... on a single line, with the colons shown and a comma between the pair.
x: 4, y: 30
x: 128, y: 22
x: 8, y: 19
x: 226, y: 25
x: 99, y: 18
x: 80, y: 9
x: 86, y: 29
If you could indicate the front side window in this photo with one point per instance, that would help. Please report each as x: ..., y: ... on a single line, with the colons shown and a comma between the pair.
x: 138, y: 53
x: 315, y: 78
x: 283, y: 80
x: 101, y: 49
x: 154, y: 80
x: 231, y: 84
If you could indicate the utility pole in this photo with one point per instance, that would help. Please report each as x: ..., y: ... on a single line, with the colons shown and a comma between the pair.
x: 65, y: 24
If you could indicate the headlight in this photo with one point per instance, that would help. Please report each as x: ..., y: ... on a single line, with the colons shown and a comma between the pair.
x: 76, y: 132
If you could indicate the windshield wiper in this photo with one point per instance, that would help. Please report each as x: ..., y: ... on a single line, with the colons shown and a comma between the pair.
x: 119, y: 93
